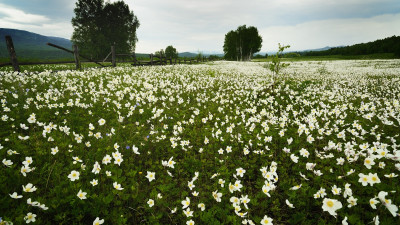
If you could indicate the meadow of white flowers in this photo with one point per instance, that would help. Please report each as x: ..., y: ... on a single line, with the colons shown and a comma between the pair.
x: 212, y: 143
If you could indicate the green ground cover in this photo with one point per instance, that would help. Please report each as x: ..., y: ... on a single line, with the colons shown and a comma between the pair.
x: 212, y: 143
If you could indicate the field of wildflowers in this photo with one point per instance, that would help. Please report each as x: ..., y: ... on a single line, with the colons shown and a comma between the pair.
x: 202, y: 144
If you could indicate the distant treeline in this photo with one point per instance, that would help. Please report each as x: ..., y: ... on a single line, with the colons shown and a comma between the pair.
x: 387, y: 45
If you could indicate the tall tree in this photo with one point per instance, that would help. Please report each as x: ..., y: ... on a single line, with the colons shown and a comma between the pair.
x: 98, y: 25
x: 170, y: 52
x: 230, y: 45
x: 242, y: 43
x: 87, y: 34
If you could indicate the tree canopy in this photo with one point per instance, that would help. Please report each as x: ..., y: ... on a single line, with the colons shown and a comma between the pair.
x: 242, y: 43
x: 170, y: 52
x: 98, y: 25
x: 160, y: 53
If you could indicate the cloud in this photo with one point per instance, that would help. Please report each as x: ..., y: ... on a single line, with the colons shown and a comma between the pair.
x: 203, y: 24
x: 335, y: 32
x: 61, y: 29
x: 53, y: 9
x: 14, y: 18
x: 191, y: 25
x: 13, y: 15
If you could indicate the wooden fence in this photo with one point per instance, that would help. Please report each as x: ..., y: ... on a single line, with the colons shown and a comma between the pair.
x: 154, y: 59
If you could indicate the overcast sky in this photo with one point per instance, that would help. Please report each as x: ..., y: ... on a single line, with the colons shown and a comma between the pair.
x: 201, y: 25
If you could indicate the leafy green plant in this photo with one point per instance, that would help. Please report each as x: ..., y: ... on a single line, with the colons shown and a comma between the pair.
x: 276, y: 65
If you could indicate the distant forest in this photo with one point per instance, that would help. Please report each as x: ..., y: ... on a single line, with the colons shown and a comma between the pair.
x: 386, y: 45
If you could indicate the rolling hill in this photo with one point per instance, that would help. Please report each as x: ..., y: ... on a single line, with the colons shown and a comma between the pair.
x: 29, y: 45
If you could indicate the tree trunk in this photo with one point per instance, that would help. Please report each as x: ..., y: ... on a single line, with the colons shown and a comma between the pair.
x: 76, y: 58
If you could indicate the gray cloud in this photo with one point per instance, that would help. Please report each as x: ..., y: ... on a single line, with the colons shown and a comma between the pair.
x: 192, y: 25
x: 60, y: 10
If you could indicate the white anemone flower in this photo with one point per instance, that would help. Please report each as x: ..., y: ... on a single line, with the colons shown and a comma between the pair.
x: 289, y: 204
x: 331, y: 205
x: 15, y: 195
x: 388, y: 203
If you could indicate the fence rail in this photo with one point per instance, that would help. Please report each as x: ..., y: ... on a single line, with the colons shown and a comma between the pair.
x: 154, y: 59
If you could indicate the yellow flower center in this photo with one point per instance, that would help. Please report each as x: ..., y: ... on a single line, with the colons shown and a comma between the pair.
x: 330, y: 204
x: 374, y: 179
x: 367, y: 161
x: 266, y: 221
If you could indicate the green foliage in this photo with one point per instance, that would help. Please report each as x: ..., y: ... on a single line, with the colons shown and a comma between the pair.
x: 170, y: 52
x: 258, y: 56
x: 292, y: 55
x: 242, y: 43
x: 199, y: 55
x: 276, y: 65
x: 214, y: 57
x: 97, y: 26
x: 159, y: 53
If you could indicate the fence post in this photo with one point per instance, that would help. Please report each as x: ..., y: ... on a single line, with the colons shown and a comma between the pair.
x: 114, y: 63
x: 76, y: 57
x: 134, y: 59
x: 13, y: 55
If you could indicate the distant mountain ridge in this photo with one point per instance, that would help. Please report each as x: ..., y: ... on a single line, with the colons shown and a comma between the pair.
x: 387, y: 45
x: 187, y: 54
x: 320, y: 49
x: 31, y: 45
